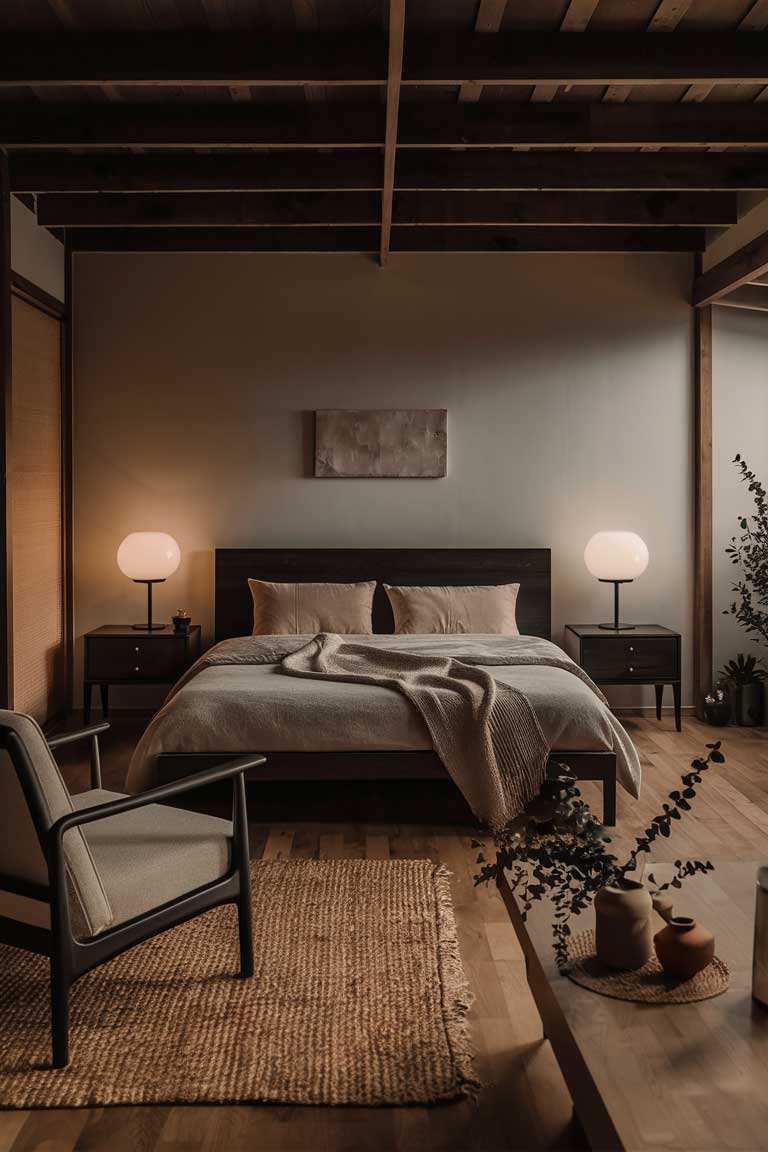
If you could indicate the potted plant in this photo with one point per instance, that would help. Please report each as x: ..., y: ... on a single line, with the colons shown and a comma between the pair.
x: 749, y: 551
x: 746, y: 688
x: 557, y: 848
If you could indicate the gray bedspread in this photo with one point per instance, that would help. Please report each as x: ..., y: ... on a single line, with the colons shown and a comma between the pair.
x: 236, y: 698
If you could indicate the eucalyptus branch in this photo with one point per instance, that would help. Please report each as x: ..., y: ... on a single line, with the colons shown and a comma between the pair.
x: 557, y: 849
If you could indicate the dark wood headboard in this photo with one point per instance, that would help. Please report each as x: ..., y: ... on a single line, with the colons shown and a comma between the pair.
x: 530, y: 567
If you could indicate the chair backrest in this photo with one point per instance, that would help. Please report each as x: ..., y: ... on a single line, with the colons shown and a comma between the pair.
x: 33, y: 796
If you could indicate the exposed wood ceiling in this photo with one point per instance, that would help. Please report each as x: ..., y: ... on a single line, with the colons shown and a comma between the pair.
x: 385, y: 125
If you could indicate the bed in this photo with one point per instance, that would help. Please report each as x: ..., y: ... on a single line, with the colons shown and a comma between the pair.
x: 301, y: 725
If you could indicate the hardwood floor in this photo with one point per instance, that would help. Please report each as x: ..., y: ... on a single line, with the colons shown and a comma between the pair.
x: 524, y: 1104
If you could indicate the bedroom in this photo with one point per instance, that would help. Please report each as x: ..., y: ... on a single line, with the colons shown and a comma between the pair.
x: 580, y: 313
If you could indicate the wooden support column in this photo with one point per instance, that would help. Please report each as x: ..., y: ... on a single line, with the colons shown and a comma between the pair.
x: 702, y: 507
x: 6, y: 630
x: 67, y: 427
x: 394, y: 76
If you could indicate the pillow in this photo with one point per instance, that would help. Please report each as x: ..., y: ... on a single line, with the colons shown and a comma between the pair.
x: 475, y: 608
x: 305, y: 609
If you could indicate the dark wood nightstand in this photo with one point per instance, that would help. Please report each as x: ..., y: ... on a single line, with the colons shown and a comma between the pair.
x: 646, y: 654
x: 118, y: 654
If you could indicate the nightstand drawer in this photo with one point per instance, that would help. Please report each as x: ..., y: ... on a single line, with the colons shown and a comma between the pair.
x: 625, y: 658
x: 126, y: 658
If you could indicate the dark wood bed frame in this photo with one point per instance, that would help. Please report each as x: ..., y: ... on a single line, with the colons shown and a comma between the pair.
x: 530, y: 567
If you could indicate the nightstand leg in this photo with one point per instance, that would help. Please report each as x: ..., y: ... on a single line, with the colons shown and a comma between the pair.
x: 104, y: 691
x: 87, y: 703
x: 659, y: 698
x: 678, y: 715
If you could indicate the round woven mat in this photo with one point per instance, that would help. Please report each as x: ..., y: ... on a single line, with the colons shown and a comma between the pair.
x: 646, y: 985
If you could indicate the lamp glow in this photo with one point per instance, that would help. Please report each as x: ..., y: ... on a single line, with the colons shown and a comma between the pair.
x: 148, y: 558
x: 616, y: 558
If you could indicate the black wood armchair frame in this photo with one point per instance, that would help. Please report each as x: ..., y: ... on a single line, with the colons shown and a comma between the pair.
x: 70, y: 957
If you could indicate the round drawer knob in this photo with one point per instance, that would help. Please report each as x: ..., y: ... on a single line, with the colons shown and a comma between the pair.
x: 137, y: 669
x: 630, y: 648
x: 137, y: 648
x: 630, y: 668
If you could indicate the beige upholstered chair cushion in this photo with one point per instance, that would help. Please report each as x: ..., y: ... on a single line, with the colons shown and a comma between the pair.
x: 306, y: 609
x: 154, y: 854
x: 474, y: 608
x: 21, y: 856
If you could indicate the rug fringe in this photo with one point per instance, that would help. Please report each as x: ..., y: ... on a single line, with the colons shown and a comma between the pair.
x: 456, y: 992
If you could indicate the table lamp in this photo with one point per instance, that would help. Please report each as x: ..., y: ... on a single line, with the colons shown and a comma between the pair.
x: 148, y: 558
x: 616, y: 558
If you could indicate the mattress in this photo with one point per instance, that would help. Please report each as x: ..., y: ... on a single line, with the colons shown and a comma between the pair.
x: 253, y: 706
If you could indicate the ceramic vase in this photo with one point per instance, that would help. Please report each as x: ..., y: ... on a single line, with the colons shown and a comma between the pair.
x: 749, y: 704
x: 623, y: 927
x: 684, y: 947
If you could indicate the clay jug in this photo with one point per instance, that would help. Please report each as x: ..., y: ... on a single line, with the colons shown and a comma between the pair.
x: 684, y: 947
x: 623, y: 928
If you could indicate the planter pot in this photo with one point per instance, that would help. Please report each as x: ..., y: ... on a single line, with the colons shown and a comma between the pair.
x: 718, y: 712
x: 623, y: 928
x: 684, y: 947
x: 748, y: 702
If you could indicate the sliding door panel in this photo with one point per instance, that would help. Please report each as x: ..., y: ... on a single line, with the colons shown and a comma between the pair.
x: 39, y: 645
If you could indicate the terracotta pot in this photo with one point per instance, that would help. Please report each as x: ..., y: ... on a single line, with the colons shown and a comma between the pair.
x: 684, y: 947
x: 623, y: 928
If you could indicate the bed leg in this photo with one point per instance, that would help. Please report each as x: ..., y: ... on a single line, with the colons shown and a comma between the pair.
x: 609, y: 801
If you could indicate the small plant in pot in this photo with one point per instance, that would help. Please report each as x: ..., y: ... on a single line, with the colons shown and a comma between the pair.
x: 557, y: 848
x: 745, y: 680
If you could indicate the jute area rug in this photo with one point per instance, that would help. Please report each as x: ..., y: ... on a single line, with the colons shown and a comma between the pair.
x: 359, y: 997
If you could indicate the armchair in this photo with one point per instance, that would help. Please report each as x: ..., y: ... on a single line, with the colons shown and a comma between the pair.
x: 86, y: 876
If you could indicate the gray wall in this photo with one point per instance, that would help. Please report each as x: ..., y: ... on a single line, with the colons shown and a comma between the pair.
x: 740, y: 424
x: 567, y: 382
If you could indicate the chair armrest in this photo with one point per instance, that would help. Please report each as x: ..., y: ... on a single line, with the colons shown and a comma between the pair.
x: 223, y: 771
x: 81, y: 734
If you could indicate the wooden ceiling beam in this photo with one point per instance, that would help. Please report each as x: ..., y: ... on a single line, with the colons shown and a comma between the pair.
x: 490, y: 14
x: 748, y: 263
x: 394, y: 75
x: 750, y: 296
x: 40, y: 172
x: 404, y: 239
x: 575, y: 124
x: 299, y: 209
x: 180, y: 172
x: 357, y: 125
x: 230, y: 58
x: 177, y: 125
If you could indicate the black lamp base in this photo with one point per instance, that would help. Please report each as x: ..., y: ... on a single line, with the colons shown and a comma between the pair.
x: 616, y: 626
x: 149, y: 626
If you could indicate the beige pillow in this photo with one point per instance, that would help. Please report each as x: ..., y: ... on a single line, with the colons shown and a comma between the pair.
x: 305, y: 609
x: 476, y: 608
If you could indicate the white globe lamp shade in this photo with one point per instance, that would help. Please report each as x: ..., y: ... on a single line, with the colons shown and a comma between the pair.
x: 616, y: 556
x: 148, y: 556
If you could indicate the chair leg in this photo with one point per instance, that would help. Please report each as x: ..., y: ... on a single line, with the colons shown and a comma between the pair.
x: 59, y: 1014
x: 245, y: 927
x: 244, y: 909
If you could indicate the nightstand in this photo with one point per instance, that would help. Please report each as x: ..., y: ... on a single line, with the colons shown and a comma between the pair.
x: 119, y: 654
x: 646, y: 654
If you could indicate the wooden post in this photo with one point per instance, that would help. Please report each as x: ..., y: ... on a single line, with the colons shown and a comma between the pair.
x: 6, y: 587
x: 394, y: 75
x: 67, y: 423
x: 702, y: 507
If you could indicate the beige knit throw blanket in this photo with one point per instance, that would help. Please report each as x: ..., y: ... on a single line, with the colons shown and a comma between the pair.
x: 485, y: 733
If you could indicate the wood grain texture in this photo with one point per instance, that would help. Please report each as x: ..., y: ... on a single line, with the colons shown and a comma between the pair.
x: 525, y: 1105
x: 603, y: 1044
x: 394, y: 77
x: 702, y: 507
x: 39, y: 647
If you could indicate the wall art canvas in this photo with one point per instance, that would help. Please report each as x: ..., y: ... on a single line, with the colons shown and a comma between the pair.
x: 399, y: 442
